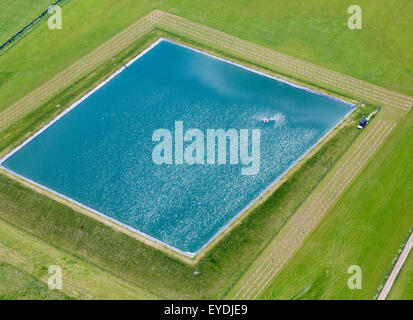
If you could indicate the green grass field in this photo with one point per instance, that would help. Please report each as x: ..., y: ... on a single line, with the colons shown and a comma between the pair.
x: 16, y: 14
x: 366, y: 228
x: 317, y: 33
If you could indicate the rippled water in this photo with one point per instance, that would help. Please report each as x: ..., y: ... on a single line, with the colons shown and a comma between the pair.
x: 100, y: 153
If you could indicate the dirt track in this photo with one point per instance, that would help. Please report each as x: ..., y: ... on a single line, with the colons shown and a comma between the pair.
x: 396, y: 270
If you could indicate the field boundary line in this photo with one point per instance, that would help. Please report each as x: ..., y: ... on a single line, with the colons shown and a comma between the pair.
x: 289, y: 69
x: 14, y: 39
x: 59, y: 81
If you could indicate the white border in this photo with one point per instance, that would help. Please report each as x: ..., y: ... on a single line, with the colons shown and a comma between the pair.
x: 160, y: 242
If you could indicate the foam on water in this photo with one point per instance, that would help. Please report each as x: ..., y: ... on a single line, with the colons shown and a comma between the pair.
x: 277, y: 119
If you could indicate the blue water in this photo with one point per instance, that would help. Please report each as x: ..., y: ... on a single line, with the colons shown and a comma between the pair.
x: 100, y: 153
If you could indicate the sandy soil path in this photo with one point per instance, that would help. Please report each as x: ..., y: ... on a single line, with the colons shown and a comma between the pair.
x: 396, y: 270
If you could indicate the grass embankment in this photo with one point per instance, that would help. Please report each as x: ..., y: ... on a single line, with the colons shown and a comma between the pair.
x: 93, y: 242
x: 366, y: 228
x: 380, y: 53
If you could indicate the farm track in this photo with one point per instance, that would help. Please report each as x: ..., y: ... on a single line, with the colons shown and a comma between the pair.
x: 306, y: 220
x: 277, y: 61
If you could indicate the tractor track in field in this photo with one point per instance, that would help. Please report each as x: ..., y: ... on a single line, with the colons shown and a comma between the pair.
x: 304, y: 222
x: 236, y: 46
